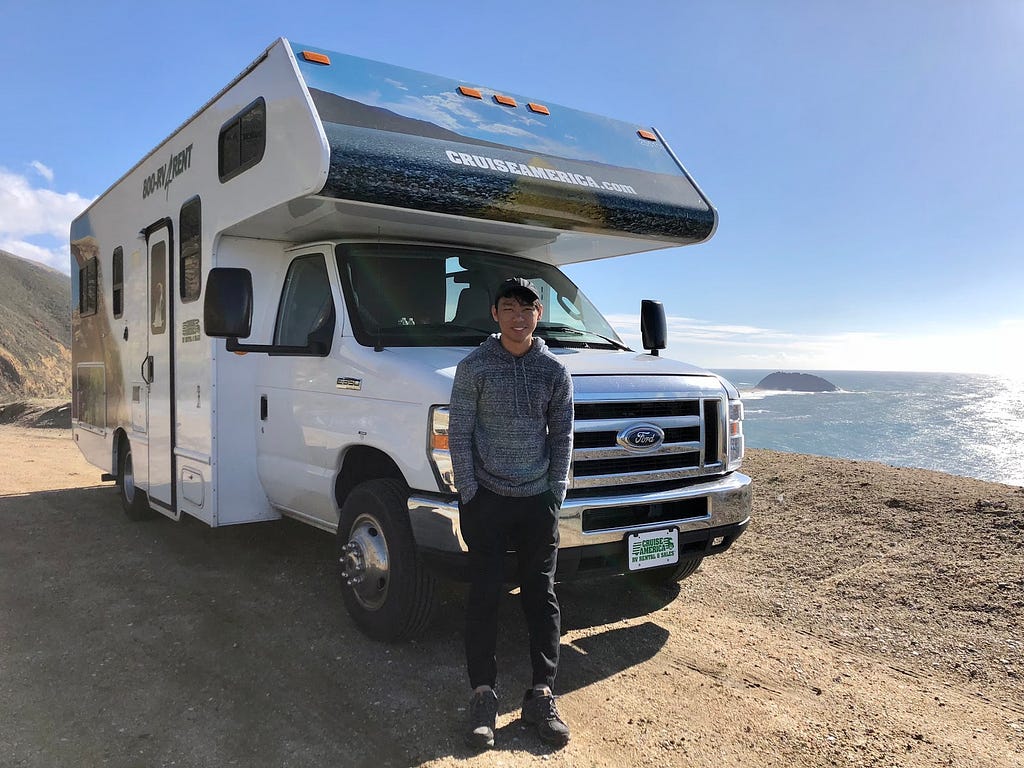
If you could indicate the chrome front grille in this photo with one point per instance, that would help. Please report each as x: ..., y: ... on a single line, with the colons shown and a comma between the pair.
x: 692, y: 429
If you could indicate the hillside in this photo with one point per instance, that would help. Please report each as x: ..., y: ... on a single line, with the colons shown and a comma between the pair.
x: 35, y: 330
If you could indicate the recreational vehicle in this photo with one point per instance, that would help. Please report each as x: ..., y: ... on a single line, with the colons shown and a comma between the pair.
x: 268, y: 310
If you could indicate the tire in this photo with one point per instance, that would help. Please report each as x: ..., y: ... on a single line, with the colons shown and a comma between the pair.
x: 385, y: 587
x: 134, y: 500
x: 670, y: 574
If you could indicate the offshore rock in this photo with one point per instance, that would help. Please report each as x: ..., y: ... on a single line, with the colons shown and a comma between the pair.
x: 796, y: 382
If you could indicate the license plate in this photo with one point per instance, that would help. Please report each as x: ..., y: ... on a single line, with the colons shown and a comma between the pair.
x: 652, y: 548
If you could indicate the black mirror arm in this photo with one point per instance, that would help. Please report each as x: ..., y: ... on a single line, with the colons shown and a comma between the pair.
x: 315, y: 349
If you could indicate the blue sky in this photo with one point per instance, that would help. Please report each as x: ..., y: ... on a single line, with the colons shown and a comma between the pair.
x: 865, y: 158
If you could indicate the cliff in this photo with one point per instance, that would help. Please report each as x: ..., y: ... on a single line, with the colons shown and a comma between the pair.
x: 35, y: 330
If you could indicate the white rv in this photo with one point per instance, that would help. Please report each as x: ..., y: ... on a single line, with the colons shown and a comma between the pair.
x: 269, y: 307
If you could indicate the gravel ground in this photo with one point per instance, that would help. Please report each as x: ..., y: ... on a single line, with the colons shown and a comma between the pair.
x: 870, y: 617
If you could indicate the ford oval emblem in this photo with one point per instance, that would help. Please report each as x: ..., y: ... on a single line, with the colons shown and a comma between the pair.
x: 641, y: 437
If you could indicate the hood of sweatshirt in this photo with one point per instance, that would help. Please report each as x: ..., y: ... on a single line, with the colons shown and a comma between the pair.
x: 493, y: 348
x: 520, y: 365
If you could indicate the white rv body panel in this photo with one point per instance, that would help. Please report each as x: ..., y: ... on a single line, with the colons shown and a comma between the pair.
x: 170, y: 421
x: 240, y: 497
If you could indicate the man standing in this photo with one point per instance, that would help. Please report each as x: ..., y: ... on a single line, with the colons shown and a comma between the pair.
x: 510, y: 436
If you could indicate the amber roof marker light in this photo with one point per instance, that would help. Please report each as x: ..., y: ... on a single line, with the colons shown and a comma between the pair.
x: 647, y: 135
x: 316, y: 58
x: 505, y: 101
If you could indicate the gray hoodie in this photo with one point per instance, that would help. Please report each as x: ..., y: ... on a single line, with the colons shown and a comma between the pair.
x: 511, y: 422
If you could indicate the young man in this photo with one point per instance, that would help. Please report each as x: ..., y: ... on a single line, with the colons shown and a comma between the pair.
x: 510, y: 435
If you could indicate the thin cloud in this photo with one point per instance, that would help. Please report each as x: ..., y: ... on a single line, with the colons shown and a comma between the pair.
x: 42, y: 170
x: 58, y: 258
x: 34, y: 222
x: 720, y: 345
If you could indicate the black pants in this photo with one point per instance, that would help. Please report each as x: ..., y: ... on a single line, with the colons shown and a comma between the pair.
x: 492, y: 524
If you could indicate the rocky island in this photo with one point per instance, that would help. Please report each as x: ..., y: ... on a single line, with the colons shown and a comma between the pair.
x: 796, y: 382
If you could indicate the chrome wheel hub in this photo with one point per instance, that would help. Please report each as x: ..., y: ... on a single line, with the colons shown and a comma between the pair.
x: 364, y: 562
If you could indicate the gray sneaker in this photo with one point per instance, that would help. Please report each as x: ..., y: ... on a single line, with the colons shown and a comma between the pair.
x: 483, y: 710
x: 539, y: 709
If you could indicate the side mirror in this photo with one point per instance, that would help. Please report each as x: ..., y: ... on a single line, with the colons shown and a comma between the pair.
x: 227, y: 308
x: 653, y: 327
x: 227, y: 314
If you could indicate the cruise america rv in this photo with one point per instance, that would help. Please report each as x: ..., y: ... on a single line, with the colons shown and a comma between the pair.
x: 269, y: 307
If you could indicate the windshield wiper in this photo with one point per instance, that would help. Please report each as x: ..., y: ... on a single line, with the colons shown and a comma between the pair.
x: 578, y: 332
x: 462, y: 328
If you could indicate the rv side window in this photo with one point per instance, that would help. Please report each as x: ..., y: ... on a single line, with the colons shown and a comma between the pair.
x: 157, y: 294
x: 117, y: 287
x: 190, y: 269
x: 306, y: 313
x: 243, y: 140
x: 87, y: 276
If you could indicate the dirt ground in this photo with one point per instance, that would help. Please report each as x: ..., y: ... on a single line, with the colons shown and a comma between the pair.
x: 871, y: 616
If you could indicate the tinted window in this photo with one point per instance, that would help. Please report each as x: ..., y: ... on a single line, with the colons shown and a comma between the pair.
x: 157, y: 293
x: 87, y: 277
x: 307, y: 312
x: 419, y: 295
x: 118, y: 281
x: 190, y: 229
x: 243, y: 140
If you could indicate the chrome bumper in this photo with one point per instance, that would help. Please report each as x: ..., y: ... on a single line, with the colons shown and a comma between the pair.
x: 435, y: 521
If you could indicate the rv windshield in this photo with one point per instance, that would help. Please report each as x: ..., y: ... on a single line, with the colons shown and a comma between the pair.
x: 418, y: 295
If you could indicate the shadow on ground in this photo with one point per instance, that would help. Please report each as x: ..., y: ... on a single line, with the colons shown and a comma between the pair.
x: 149, y: 643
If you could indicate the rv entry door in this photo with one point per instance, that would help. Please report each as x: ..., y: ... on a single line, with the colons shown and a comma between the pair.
x: 158, y: 369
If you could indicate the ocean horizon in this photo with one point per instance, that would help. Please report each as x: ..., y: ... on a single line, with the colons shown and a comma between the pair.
x: 962, y: 424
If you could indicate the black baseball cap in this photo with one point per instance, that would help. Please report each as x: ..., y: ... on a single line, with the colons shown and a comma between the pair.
x: 517, y: 288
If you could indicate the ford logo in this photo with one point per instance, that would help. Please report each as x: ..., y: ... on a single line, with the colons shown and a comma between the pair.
x: 641, y: 437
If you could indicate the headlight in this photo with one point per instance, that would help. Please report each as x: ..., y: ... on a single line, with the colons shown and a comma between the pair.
x: 735, y: 434
x: 440, y: 456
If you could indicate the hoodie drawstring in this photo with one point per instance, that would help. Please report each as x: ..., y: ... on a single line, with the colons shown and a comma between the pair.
x: 515, y: 382
x: 517, y: 363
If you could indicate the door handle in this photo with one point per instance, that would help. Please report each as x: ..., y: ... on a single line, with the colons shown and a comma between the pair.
x: 146, y: 369
x: 263, y: 407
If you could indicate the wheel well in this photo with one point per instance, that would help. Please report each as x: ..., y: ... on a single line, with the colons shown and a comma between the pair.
x: 362, y: 463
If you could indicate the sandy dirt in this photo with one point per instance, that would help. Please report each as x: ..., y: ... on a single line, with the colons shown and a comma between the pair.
x: 871, y: 616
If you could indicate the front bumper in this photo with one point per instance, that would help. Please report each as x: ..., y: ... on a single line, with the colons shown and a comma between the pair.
x: 435, y: 519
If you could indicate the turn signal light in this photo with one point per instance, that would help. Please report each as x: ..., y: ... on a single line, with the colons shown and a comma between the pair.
x: 316, y: 58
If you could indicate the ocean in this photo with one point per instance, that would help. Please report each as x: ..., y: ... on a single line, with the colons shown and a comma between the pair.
x: 963, y: 424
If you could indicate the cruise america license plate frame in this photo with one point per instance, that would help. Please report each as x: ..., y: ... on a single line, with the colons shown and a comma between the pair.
x: 652, y: 549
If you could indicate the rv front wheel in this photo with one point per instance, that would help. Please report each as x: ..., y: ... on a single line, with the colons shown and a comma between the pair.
x: 133, y: 499
x: 386, y: 588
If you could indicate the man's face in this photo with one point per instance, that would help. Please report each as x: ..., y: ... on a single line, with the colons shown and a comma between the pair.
x: 516, y: 321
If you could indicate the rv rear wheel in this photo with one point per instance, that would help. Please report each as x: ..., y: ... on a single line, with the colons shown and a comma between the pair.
x: 385, y: 586
x: 133, y: 499
x: 670, y: 574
